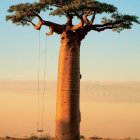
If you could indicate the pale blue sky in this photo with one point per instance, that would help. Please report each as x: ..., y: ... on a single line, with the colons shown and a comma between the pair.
x: 104, y: 56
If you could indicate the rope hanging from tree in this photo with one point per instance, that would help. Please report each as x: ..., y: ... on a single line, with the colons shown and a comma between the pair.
x: 41, y: 91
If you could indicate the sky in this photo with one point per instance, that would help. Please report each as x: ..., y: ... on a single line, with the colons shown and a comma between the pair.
x: 104, y: 56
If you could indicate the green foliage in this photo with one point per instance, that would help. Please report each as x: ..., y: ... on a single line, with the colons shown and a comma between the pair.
x: 22, y: 13
x: 79, y: 7
x: 57, y: 3
x: 123, y: 21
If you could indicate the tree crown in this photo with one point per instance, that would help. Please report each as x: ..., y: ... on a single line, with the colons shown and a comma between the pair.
x: 23, y: 14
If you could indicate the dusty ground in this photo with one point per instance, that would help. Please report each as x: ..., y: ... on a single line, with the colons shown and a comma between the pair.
x: 90, y: 138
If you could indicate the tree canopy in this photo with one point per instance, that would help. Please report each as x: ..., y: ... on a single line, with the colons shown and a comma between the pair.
x: 85, y: 10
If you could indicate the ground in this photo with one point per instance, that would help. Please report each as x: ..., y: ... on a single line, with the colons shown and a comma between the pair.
x: 90, y: 138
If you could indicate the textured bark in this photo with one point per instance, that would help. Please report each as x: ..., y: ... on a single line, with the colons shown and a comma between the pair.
x: 68, y: 88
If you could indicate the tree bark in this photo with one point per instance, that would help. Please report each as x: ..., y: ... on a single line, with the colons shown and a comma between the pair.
x: 68, y: 88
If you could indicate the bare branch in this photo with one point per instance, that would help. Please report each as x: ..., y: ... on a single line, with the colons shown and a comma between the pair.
x: 54, y: 27
x: 102, y: 29
x: 38, y: 26
x: 71, y: 27
x: 86, y: 20
x: 76, y: 27
x: 29, y: 22
x: 93, y: 17
x: 40, y: 18
x: 51, y: 31
x: 80, y: 17
x: 108, y: 24
x: 69, y: 20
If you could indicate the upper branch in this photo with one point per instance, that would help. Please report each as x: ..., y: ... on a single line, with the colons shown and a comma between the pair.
x: 83, y: 32
x: 70, y: 26
x: 101, y: 29
x: 37, y: 15
x: 107, y: 24
x: 78, y: 26
x: 27, y: 20
x: 111, y: 25
x: 69, y: 20
x: 93, y: 17
x: 54, y: 27
x: 85, y: 17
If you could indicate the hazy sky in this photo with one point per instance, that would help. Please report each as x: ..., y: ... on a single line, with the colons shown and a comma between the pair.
x: 104, y: 56
x: 108, y: 109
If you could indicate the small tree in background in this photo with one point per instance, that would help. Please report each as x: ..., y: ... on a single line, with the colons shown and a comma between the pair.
x: 68, y: 87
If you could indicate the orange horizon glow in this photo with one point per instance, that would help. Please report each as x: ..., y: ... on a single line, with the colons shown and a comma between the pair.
x: 104, y: 113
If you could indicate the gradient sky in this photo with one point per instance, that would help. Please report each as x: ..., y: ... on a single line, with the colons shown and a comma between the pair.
x: 104, y: 56
x: 108, y: 109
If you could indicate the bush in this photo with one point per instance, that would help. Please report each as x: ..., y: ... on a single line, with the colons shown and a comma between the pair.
x: 42, y: 137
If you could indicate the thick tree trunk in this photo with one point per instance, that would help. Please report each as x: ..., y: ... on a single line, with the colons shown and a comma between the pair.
x: 68, y: 89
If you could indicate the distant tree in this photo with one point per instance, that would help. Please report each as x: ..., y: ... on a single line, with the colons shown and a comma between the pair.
x: 82, y: 137
x: 96, y: 138
x: 68, y: 90
x: 7, y: 137
x: 33, y: 137
x: 42, y: 137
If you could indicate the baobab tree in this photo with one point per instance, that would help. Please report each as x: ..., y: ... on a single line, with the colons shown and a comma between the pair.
x: 86, y: 11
